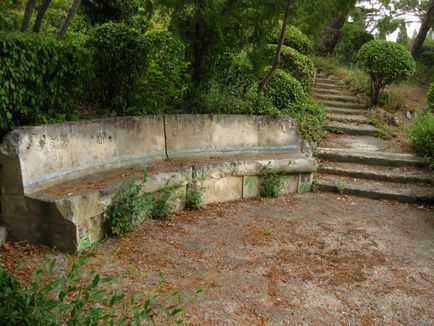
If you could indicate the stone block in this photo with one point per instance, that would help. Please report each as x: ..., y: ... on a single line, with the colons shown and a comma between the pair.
x: 252, y: 186
x: 3, y: 235
x: 222, y: 190
x: 305, y: 182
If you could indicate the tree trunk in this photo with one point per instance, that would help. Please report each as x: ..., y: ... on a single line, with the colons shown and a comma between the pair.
x: 427, y: 24
x: 41, y: 12
x: 71, y: 12
x: 263, y: 83
x: 30, y: 6
x: 333, y: 33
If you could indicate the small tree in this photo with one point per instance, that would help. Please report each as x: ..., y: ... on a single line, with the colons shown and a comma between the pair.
x: 385, y: 62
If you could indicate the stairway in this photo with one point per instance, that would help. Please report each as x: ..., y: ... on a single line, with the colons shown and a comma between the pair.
x: 354, y: 161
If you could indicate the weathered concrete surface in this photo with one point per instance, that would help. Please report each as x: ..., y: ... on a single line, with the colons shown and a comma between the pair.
x: 3, y: 235
x: 370, y: 157
x: 377, y: 190
x: 45, y: 155
x: 347, y: 118
x: 192, y: 135
x: 352, y: 128
x: 48, y: 173
x: 378, y: 173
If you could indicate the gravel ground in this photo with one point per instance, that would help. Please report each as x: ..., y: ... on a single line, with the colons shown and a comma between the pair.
x: 312, y: 259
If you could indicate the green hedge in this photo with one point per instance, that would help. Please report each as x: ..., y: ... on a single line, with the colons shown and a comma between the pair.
x: 295, y: 39
x: 42, y: 79
x: 422, y: 136
x: 430, y: 96
x: 298, y: 65
x: 354, y: 37
x: 283, y: 90
x: 119, y: 60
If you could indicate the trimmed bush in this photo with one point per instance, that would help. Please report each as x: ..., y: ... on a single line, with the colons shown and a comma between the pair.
x: 294, y: 38
x: 386, y: 62
x: 43, y: 80
x: 119, y: 59
x: 284, y: 90
x: 422, y: 136
x: 430, y: 96
x: 310, y: 120
x: 298, y: 65
x: 100, y: 12
x: 166, y: 79
x: 354, y: 37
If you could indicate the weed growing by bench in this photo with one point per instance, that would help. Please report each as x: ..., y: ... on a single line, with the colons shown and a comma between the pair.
x: 194, y: 198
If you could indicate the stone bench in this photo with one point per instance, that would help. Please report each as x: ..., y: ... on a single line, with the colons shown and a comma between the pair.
x: 57, y: 180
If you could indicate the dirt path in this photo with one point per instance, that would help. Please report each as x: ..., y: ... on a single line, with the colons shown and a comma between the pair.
x: 314, y: 259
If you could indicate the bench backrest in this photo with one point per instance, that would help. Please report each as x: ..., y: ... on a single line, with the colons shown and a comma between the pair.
x: 32, y: 158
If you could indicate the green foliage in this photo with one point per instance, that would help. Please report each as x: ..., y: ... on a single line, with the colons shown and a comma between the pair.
x: 100, y: 12
x: 430, y: 96
x: 43, y: 80
x: 10, y: 17
x: 298, y: 65
x: 119, y: 61
x: 358, y: 80
x: 353, y: 38
x: 272, y: 185
x: 194, y: 198
x: 294, y: 38
x: 128, y: 207
x: 310, y: 119
x: 424, y: 74
x: 385, y: 62
x: 72, y: 296
x: 328, y: 66
x: 166, y: 80
x: 284, y: 90
x: 163, y: 204
x: 422, y: 136
x: 340, y: 187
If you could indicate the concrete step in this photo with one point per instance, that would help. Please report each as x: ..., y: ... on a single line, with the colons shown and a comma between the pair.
x: 320, y: 90
x: 377, y: 172
x: 330, y: 85
x: 332, y: 81
x: 345, y: 105
x: 341, y: 111
x: 347, y: 118
x: 337, y: 97
x: 409, y: 193
x: 351, y: 128
x: 370, y: 157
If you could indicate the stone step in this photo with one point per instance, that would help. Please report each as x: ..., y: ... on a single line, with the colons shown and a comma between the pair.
x: 409, y: 193
x: 351, y: 128
x: 320, y: 90
x: 337, y: 97
x: 332, y: 81
x: 341, y: 111
x: 330, y: 86
x: 377, y: 172
x: 370, y: 157
x: 345, y: 105
x: 347, y: 118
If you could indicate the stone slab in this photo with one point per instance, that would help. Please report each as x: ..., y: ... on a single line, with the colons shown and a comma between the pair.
x: 370, y: 157
x: 222, y: 190
x: 3, y: 235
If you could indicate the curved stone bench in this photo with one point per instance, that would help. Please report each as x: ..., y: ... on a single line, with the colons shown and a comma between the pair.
x: 57, y: 180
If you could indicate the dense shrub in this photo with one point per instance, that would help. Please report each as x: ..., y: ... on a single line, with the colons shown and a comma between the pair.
x: 385, y: 62
x: 294, y: 38
x: 10, y: 19
x: 430, y: 96
x: 166, y: 80
x: 119, y: 59
x: 422, y: 136
x: 100, y: 12
x: 298, y: 65
x: 42, y: 79
x: 283, y: 90
x: 353, y: 38
x: 310, y: 119
x: 70, y: 295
